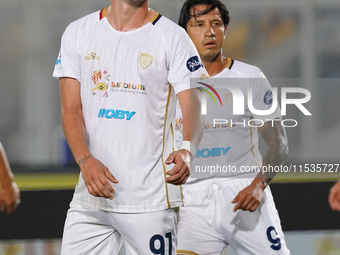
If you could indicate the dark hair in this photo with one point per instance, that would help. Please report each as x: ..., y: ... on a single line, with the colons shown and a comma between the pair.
x: 185, y: 11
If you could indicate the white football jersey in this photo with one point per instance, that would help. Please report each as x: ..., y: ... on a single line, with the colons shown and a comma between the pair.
x: 129, y: 81
x: 229, y: 148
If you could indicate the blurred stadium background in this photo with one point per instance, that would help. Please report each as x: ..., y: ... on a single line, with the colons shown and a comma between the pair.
x: 296, y: 43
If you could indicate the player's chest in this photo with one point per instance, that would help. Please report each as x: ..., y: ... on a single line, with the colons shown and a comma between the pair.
x: 221, y: 103
x: 125, y: 55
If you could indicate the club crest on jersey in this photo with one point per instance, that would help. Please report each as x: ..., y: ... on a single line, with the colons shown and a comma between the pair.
x: 268, y: 97
x: 145, y: 60
x: 91, y: 56
x: 229, y: 99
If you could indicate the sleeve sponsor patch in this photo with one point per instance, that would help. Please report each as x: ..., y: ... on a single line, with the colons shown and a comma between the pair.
x: 194, y: 64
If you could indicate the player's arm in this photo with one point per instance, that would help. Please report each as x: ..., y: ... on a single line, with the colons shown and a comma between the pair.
x: 9, y: 191
x: 95, y: 174
x: 275, y: 137
x: 189, y: 101
x: 334, y: 197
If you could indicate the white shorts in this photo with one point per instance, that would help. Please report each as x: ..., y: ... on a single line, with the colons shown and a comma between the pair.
x: 207, y: 223
x: 90, y: 231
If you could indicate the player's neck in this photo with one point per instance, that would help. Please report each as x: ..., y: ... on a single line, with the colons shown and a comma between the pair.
x: 127, y: 15
x: 214, y: 65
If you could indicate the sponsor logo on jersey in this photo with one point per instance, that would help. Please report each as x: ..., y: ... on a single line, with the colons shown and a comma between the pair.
x: 204, y: 76
x: 115, y: 114
x: 125, y: 85
x: 194, y: 64
x: 145, y: 60
x: 100, y: 78
x: 213, y: 152
x: 92, y: 56
x: 219, y: 126
x: 58, y: 60
x: 268, y: 97
x: 102, y: 86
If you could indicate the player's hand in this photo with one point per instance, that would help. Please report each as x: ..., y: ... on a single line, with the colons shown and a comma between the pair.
x: 9, y: 197
x: 97, y: 177
x: 181, y: 171
x: 249, y: 198
x: 334, y: 197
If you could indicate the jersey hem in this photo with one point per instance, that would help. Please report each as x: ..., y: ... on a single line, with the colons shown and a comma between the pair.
x: 127, y: 209
x: 186, y: 252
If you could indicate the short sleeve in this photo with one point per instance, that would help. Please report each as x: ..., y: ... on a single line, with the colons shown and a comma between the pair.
x: 184, y: 63
x: 263, y: 98
x: 68, y: 62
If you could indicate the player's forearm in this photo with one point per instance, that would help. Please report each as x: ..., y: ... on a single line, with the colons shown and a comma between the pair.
x: 192, y: 119
x: 276, y: 153
x: 6, y: 175
x: 277, y: 146
x: 75, y: 132
x: 275, y: 156
x: 277, y: 149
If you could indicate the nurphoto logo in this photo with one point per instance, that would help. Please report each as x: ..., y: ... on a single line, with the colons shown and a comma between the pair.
x: 239, y: 99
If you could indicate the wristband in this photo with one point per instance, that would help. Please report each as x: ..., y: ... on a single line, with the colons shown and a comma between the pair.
x: 186, y: 145
x: 267, y: 181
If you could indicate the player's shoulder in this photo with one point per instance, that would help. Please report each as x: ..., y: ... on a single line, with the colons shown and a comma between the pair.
x: 169, y: 29
x: 246, y: 70
x: 165, y: 24
x: 84, y: 22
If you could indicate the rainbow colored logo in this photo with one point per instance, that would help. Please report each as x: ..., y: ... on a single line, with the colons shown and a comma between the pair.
x: 211, y: 95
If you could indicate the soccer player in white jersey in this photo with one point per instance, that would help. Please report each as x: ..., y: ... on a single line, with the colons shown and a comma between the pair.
x: 231, y: 207
x: 120, y: 70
